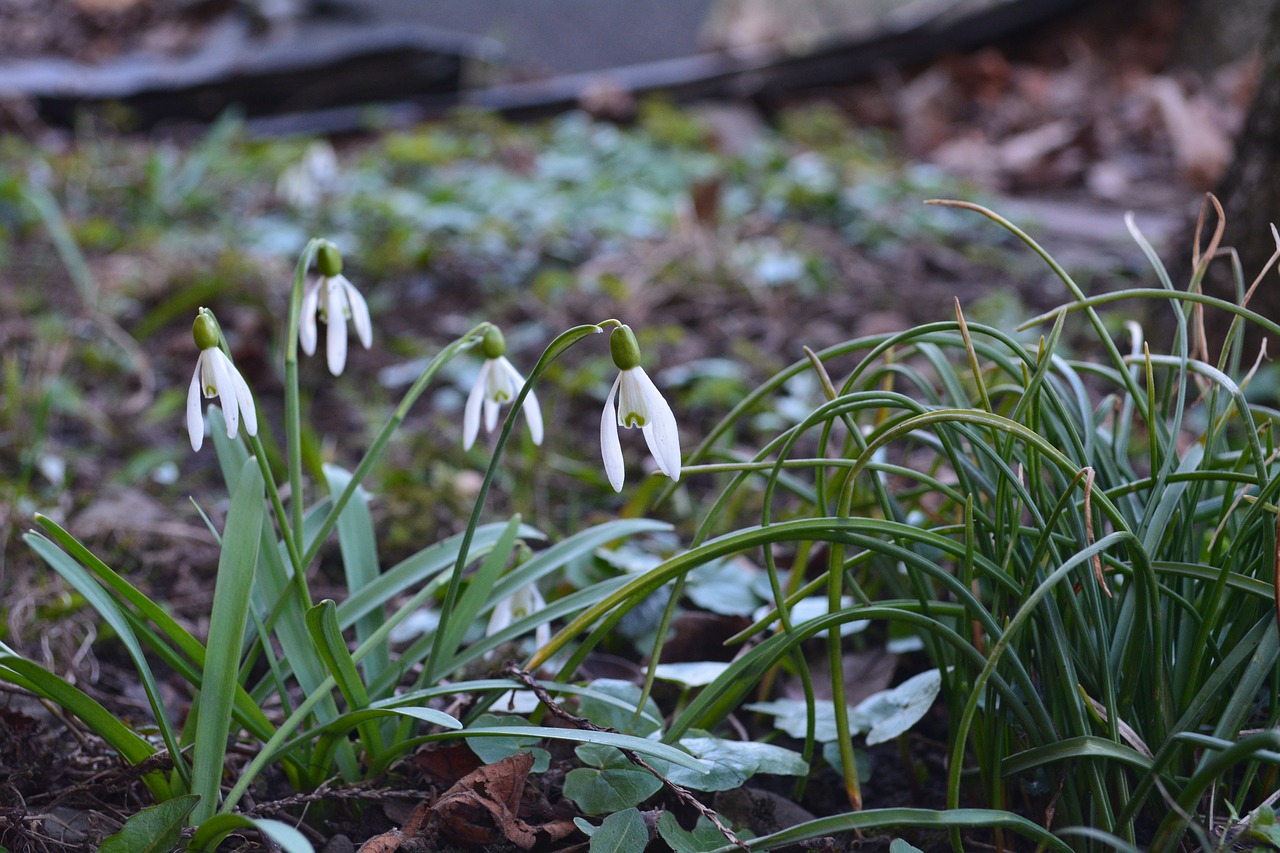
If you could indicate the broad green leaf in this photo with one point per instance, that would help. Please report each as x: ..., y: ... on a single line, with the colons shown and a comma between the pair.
x: 623, y: 832
x: 153, y: 830
x: 889, y: 713
x: 724, y: 587
x: 612, y: 703
x: 734, y: 762
x: 690, y: 674
x: 790, y: 716
x: 900, y: 846
x: 704, y: 837
x: 611, y: 784
x: 241, y: 538
x: 494, y: 749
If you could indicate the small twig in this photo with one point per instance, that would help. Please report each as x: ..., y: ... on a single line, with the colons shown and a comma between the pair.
x: 328, y: 792
x: 527, y: 679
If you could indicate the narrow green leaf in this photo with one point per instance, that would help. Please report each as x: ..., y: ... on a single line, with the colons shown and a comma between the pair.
x: 181, y: 639
x: 131, y: 746
x: 322, y: 622
x: 878, y: 819
x: 107, y: 607
x: 241, y: 539
x: 477, y: 594
x: 359, y: 548
x: 211, y: 832
x: 157, y: 829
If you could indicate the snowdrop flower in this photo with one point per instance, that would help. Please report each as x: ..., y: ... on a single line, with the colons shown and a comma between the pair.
x: 335, y: 300
x: 216, y: 376
x: 497, y: 383
x: 639, y: 405
x: 304, y: 184
x: 523, y: 602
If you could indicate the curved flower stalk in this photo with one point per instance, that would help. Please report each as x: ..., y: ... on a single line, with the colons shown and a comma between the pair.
x: 216, y: 376
x: 335, y: 300
x: 498, y: 383
x: 640, y: 404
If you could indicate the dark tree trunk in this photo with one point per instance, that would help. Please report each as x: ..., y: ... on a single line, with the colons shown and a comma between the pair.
x: 1217, y: 33
x: 1250, y: 192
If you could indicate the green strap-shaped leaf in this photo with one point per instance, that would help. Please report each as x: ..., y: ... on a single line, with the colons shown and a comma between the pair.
x: 210, y: 833
x: 474, y: 599
x: 174, y: 633
x: 322, y: 622
x: 241, y: 538
x: 359, y: 549
x: 131, y: 746
x: 110, y: 611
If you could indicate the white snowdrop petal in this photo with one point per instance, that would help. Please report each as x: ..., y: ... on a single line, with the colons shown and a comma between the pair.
x: 195, y: 417
x: 337, y: 326
x: 471, y: 414
x: 533, y: 417
x: 218, y: 364
x: 307, y: 317
x: 359, y: 313
x: 244, y: 400
x: 610, y: 446
x: 661, y: 432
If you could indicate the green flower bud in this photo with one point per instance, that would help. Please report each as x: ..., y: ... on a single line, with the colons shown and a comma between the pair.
x: 494, y: 345
x: 329, y: 260
x: 205, y: 330
x: 623, y: 348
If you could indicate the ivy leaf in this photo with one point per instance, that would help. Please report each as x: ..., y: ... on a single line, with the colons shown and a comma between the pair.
x: 704, y: 838
x: 153, y: 830
x: 610, y: 784
x: 493, y: 749
x: 614, y: 705
x: 622, y: 832
x: 724, y: 588
x: 690, y: 674
x: 734, y: 762
x: 790, y: 716
x: 889, y: 713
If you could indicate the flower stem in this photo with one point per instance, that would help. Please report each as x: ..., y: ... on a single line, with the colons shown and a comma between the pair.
x: 550, y: 354
x: 468, y: 341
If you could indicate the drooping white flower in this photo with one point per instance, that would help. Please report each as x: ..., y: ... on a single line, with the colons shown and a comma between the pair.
x: 640, y: 404
x: 305, y: 184
x: 525, y: 601
x: 497, y: 384
x: 335, y: 300
x: 216, y: 376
